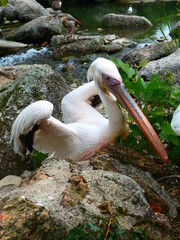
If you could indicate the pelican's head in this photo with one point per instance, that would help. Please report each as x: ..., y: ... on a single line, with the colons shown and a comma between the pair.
x: 106, y: 75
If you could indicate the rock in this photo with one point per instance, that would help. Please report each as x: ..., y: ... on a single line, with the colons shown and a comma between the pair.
x: 60, y: 195
x: 75, y: 46
x: 170, y: 63
x: 30, y: 83
x: 1, y: 14
x: 24, y: 10
x: 151, y: 52
x: 39, y: 30
x: 175, y: 32
x: 10, y: 180
x: 9, y: 47
x: 81, y: 197
x: 124, y: 21
x: 82, y: 45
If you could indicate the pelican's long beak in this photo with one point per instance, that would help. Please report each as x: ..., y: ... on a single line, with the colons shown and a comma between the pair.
x: 116, y: 88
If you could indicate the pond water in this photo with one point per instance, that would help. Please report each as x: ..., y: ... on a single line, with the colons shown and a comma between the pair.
x: 90, y: 15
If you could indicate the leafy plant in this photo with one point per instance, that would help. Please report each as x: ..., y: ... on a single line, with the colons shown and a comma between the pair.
x: 37, y: 157
x: 139, y: 235
x: 158, y: 100
x: 3, y: 2
x: 90, y: 231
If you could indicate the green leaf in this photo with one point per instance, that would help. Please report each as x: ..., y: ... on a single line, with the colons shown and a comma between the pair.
x: 128, y: 70
x: 143, y: 62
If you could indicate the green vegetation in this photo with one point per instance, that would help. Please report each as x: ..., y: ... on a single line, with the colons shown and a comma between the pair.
x: 158, y: 100
x: 37, y: 157
x: 90, y: 231
x: 3, y: 2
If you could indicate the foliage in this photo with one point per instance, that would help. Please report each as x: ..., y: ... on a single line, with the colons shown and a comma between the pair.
x: 3, y: 2
x: 139, y: 235
x: 37, y: 157
x: 90, y: 230
x: 158, y: 100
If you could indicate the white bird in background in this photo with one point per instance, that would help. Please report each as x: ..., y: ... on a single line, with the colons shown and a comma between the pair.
x: 85, y: 130
x: 175, y: 123
x: 130, y: 10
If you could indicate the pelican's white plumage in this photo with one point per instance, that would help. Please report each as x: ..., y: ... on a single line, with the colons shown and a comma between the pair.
x: 84, y: 131
x: 175, y: 123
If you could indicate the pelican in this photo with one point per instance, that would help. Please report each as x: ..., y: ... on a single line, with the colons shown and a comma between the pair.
x: 56, y: 5
x: 175, y: 123
x: 84, y: 131
x: 69, y: 22
x: 130, y: 10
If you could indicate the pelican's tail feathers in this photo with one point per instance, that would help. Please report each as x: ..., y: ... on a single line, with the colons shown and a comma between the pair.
x: 27, y: 122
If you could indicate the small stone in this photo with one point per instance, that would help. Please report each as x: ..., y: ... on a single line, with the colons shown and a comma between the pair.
x: 11, y: 180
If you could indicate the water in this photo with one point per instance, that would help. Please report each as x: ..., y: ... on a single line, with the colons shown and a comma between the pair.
x: 90, y: 15
x: 22, y: 57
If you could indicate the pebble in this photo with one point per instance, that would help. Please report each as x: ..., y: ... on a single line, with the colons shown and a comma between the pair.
x: 11, y: 180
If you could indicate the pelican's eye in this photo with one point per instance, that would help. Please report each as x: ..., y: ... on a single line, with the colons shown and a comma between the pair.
x: 107, y: 77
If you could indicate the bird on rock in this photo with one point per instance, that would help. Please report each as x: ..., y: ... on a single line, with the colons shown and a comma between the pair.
x: 84, y: 131
x: 130, y: 10
x: 69, y: 22
x: 175, y: 123
x: 56, y: 5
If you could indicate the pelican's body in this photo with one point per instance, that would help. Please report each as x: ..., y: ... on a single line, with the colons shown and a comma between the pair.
x: 175, y: 123
x: 69, y: 22
x: 84, y: 131
x: 130, y: 10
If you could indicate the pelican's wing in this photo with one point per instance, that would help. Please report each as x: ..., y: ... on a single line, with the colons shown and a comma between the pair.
x: 32, y: 115
x: 76, y: 105
x: 35, y: 127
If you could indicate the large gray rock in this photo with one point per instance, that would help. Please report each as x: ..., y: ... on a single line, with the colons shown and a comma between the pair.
x: 125, y: 21
x: 60, y: 195
x: 24, y: 10
x: 29, y: 83
x: 175, y: 32
x: 79, y: 45
x: 151, y: 52
x: 9, y: 47
x: 74, y: 198
x: 170, y: 63
x: 38, y: 30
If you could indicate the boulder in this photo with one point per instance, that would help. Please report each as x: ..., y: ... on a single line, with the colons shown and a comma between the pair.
x: 39, y: 30
x: 60, y: 195
x: 29, y: 83
x: 175, y: 32
x: 151, y: 52
x: 24, y: 10
x: 125, y: 21
x: 70, y: 199
x: 170, y: 63
x: 9, y: 47
x: 79, y: 45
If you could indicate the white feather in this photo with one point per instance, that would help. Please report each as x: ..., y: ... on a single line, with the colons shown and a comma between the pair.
x: 175, y: 123
x: 85, y: 130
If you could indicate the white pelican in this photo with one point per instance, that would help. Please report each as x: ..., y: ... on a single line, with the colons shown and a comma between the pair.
x: 85, y: 130
x: 130, y: 10
x: 175, y: 123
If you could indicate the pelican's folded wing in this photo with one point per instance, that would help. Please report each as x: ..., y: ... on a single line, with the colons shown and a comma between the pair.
x: 31, y: 116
